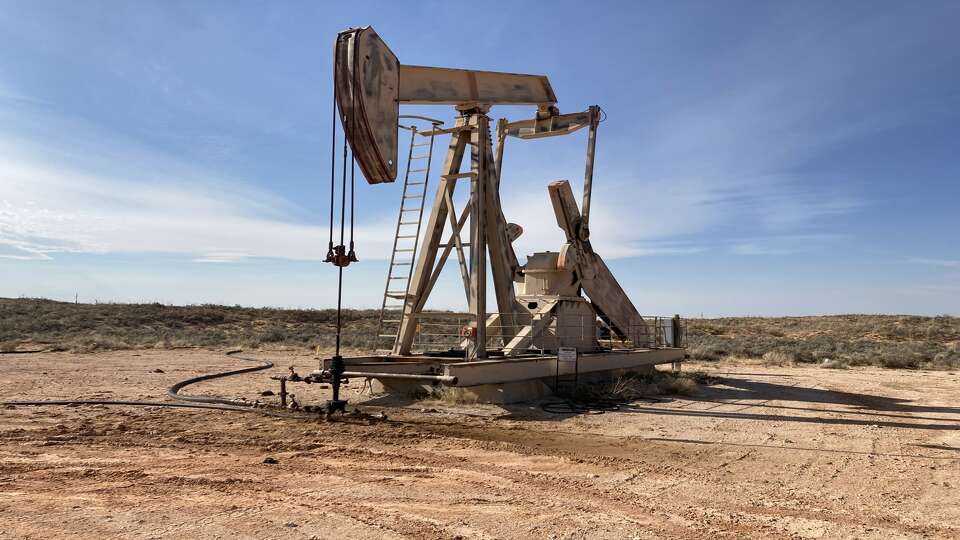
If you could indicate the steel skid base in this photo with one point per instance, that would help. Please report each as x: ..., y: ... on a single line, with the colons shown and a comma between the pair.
x: 499, y: 380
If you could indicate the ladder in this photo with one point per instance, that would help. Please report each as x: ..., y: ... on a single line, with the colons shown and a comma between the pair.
x: 406, y: 237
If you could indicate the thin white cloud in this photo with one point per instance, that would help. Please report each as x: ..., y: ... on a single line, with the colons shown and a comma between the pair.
x: 783, y: 244
x: 223, y: 256
x: 713, y: 158
x: 756, y: 249
x: 9, y: 93
x: 945, y: 263
x: 46, y: 208
x: 10, y: 249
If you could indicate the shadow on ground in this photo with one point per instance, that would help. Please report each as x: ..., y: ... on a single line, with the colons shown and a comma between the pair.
x: 751, y: 400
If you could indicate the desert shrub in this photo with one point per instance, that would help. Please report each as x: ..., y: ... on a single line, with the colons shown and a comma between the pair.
x: 677, y: 385
x: 859, y: 359
x: 829, y: 363
x: 68, y: 326
x: 272, y: 335
x: 96, y: 342
x: 857, y: 340
x: 908, y: 355
x: 948, y: 359
x: 626, y: 387
x: 706, y: 347
x: 632, y: 386
x: 898, y: 361
x: 705, y: 352
x: 710, y: 330
x: 892, y: 341
x: 450, y: 395
x: 778, y: 358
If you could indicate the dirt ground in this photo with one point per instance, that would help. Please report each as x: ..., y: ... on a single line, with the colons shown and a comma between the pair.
x: 765, y: 452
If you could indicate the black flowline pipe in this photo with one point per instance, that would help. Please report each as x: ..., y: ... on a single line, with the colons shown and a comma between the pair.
x: 173, y: 390
x: 125, y: 402
x: 198, y: 402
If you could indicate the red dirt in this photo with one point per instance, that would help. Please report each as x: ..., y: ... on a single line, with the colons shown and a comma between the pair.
x: 796, y: 452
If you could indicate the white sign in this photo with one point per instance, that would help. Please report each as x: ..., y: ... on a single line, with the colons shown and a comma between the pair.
x: 567, y: 354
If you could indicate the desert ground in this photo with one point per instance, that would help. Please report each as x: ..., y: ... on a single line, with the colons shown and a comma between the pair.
x: 793, y: 451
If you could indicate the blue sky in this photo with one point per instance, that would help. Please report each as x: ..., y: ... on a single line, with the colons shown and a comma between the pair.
x: 757, y: 157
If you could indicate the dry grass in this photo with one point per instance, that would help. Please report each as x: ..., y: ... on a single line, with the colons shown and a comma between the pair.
x: 94, y: 327
x: 452, y: 395
x: 829, y: 363
x: 889, y: 341
x: 778, y: 358
x: 677, y: 385
x: 632, y: 386
x: 893, y: 341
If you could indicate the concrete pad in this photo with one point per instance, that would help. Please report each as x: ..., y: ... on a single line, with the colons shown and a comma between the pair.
x: 500, y: 394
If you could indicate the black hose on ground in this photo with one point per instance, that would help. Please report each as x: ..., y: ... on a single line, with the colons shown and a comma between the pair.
x: 592, y: 406
x: 199, y: 402
x: 569, y: 406
x: 135, y: 403
x: 174, y: 390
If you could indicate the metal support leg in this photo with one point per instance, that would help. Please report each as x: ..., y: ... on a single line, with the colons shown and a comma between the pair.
x: 478, y: 237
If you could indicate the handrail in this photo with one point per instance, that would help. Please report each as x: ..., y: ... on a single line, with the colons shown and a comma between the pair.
x: 451, y: 329
x: 418, y: 117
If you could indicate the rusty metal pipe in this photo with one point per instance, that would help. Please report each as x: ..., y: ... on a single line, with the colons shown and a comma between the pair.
x: 446, y: 379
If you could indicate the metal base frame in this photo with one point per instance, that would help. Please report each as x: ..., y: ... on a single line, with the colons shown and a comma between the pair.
x: 463, y: 372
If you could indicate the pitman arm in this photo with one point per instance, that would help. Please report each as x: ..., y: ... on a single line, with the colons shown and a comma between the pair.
x: 562, y: 124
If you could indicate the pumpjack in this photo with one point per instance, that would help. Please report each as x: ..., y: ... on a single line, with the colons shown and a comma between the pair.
x: 556, y: 306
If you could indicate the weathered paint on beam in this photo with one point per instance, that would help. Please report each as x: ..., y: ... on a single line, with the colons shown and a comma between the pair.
x: 436, y: 86
x: 504, y: 371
